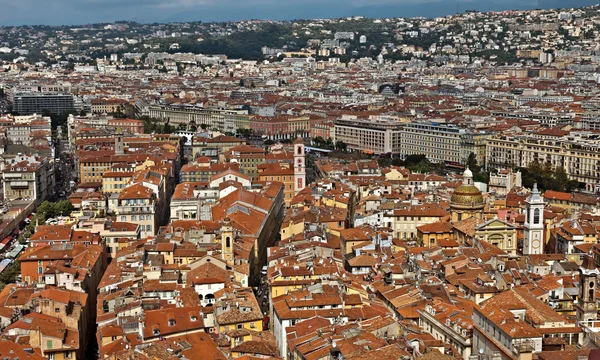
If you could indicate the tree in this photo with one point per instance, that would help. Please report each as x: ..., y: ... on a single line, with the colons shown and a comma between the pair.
x: 472, y: 163
x: 319, y: 141
x: 9, y: 275
x: 168, y: 129
x: 341, y: 146
x: 63, y: 208
x: 329, y: 143
x: 204, y: 126
x: 46, y: 209
x: 22, y: 240
x: 561, y: 179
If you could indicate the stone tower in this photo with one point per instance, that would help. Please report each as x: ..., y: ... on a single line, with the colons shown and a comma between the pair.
x: 227, y: 240
x: 299, y: 166
x: 119, y: 147
x: 533, y: 239
x: 586, y: 304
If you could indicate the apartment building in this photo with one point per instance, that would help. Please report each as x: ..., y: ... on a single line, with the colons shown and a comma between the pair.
x: 108, y: 106
x: 114, y: 182
x: 220, y: 119
x: 577, y: 153
x: 18, y: 134
x: 249, y: 158
x: 55, y: 265
x: 450, y: 321
x: 25, y: 103
x: 138, y: 204
x: 204, y: 171
x: 545, y: 118
x: 72, y: 309
x: 222, y: 144
x: 502, y: 182
x: 29, y: 178
x: 514, y: 323
x: 131, y: 125
x: 473, y: 142
x: 253, y: 215
x: 93, y: 165
x: 114, y: 235
x: 192, y: 201
x: 439, y: 142
x: 374, y: 136
x: 405, y: 221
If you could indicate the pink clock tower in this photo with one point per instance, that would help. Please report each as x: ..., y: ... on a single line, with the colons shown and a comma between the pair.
x: 299, y: 166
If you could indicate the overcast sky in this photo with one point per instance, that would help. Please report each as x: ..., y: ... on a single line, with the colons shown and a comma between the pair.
x: 71, y: 12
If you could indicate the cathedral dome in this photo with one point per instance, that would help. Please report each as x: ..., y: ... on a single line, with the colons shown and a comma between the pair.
x: 467, y: 196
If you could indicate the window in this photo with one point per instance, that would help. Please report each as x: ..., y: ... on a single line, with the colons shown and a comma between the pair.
x: 56, y: 310
x: 171, y: 322
x: 49, y: 344
x: 133, y: 218
x: 536, y: 216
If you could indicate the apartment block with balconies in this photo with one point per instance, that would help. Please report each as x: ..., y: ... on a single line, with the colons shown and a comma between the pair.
x: 138, y: 204
x: 28, y: 178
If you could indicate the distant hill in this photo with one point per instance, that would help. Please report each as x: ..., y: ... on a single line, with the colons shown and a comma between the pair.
x: 83, y: 12
x: 340, y: 8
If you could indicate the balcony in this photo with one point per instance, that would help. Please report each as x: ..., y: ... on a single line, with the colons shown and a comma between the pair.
x: 19, y: 184
x: 136, y: 210
x: 526, y: 346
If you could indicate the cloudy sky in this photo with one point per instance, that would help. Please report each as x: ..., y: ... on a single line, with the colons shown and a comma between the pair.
x: 57, y: 12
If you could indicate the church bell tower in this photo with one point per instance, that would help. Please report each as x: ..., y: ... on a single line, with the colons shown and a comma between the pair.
x: 533, y: 239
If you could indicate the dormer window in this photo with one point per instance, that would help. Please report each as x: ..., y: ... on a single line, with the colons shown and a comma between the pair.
x: 155, y: 332
x: 193, y: 318
x: 171, y: 322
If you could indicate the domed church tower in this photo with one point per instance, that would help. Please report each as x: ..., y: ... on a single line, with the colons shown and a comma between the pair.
x: 467, y: 200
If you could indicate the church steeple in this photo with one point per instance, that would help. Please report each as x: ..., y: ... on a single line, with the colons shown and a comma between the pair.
x: 299, y: 166
x: 586, y: 302
x: 227, y: 240
x: 468, y: 177
x: 533, y: 242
